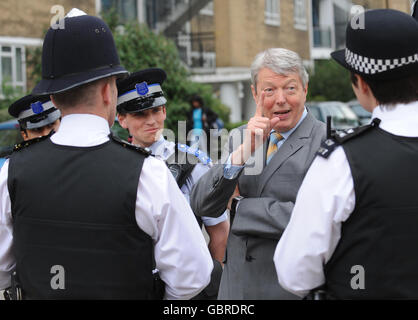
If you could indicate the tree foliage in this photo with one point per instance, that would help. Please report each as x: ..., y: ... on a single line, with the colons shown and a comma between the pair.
x: 140, y: 48
x: 330, y: 82
x: 34, y: 64
x: 9, y: 95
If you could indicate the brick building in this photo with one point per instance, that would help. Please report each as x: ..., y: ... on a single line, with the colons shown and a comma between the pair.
x: 22, y: 25
x: 217, y: 39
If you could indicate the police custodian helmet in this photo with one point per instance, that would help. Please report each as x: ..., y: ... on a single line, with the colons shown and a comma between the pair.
x: 81, y: 52
x: 141, y: 91
x: 34, y: 112
x: 386, y: 50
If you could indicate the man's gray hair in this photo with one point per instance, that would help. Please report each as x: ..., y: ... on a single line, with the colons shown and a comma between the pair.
x: 281, y: 61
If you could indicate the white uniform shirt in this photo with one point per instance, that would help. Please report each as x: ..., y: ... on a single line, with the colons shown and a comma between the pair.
x: 326, y: 199
x: 163, y: 149
x: 161, y: 211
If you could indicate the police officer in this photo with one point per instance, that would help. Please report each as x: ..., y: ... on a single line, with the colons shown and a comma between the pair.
x: 108, y: 216
x: 37, y: 116
x: 142, y: 110
x: 353, y: 228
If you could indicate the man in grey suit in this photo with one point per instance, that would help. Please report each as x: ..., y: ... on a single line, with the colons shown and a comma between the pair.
x: 281, y: 139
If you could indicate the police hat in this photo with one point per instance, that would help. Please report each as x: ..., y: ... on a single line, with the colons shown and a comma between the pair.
x: 81, y: 52
x: 141, y: 91
x: 34, y: 111
x: 385, y: 48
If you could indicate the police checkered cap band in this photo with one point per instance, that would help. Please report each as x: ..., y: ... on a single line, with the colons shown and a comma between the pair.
x: 134, y: 94
x: 372, y: 66
x: 35, y: 109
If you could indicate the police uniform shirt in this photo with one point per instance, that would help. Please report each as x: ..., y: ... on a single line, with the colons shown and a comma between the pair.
x: 161, y: 211
x: 325, y: 200
x: 163, y: 149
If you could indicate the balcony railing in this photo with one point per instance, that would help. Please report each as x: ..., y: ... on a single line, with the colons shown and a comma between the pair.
x: 197, y: 50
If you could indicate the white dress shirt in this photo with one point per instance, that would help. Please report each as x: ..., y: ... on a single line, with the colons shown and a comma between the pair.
x: 325, y: 199
x: 162, y: 212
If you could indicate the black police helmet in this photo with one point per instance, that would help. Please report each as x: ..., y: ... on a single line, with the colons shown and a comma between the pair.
x: 82, y: 52
x: 386, y: 48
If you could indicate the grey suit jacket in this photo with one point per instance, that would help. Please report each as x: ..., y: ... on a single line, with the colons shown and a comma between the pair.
x: 262, y: 215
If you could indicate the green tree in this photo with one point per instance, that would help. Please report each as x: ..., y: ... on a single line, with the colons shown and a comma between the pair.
x: 34, y: 64
x: 140, y: 48
x: 330, y: 81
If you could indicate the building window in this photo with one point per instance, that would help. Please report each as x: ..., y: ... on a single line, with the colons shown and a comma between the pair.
x: 12, y: 66
x: 127, y: 10
x: 272, y: 12
x: 300, y: 14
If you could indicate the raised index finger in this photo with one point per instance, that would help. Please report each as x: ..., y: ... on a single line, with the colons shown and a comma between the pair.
x: 259, y: 109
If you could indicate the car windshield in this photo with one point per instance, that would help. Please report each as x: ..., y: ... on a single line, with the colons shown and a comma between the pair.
x: 334, y: 111
x: 315, y: 112
x: 358, y: 109
x: 348, y: 113
x: 342, y: 116
x: 8, y: 138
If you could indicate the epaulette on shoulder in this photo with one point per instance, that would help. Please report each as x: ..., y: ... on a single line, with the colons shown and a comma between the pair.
x: 24, y: 144
x: 340, y: 137
x: 202, y: 156
x: 128, y: 145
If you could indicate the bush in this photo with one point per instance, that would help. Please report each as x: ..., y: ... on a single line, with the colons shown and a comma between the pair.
x: 34, y: 64
x: 330, y: 82
x: 4, y: 115
x: 140, y: 48
x: 10, y: 95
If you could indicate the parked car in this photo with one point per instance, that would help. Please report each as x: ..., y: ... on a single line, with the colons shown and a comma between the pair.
x: 342, y: 116
x: 9, y: 136
x: 364, y: 115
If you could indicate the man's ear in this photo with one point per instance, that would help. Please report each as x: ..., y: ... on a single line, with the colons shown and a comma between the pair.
x: 362, y: 85
x: 24, y: 134
x: 106, y: 92
x: 254, y: 92
x: 305, y: 89
x: 53, y: 100
x: 122, y: 121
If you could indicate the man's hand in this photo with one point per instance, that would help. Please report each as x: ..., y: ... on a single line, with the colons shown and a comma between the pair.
x: 235, y: 194
x: 257, y: 131
x: 218, y: 237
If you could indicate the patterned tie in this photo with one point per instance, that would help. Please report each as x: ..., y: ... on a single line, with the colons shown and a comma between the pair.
x: 272, y: 149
